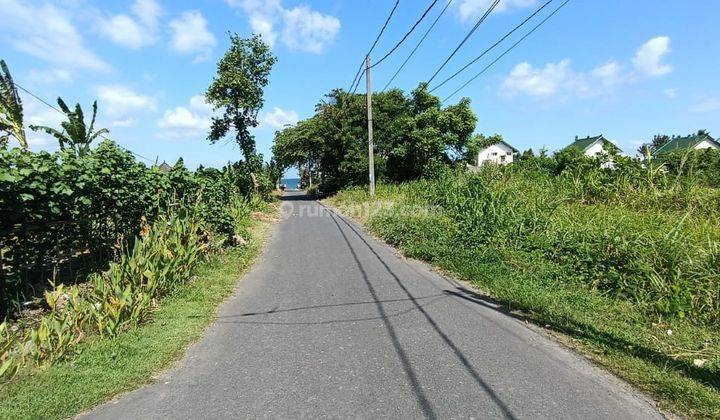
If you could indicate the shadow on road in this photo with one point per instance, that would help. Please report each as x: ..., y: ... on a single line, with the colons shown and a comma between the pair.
x: 458, y: 353
x: 224, y: 319
x: 425, y: 405
x: 334, y: 305
x: 296, y: 196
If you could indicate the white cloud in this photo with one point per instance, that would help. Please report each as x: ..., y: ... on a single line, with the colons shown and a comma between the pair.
x: 187, y: 121
x: 183, y: 118
x: 279, y: 118
x: 648, y: 57
x: 50, y: 76
x: 670, y: 93
x: 148, y: 11
x: 552, y: 79
x: 122, y: 104
x: 308, y: 30
x: 39, y: 143
x: 609, y: 73
x: 133, y: 31
x: 706, y: 105
x: 475, y: 8
x: 190, y: 35
x: 263, y: 15
x: 559, y: 79
x: 46, y: 32
x: 301, y: 28
x: 35, y: 115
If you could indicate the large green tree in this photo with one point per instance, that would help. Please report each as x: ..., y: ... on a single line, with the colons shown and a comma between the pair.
x: 413, y: 133
x: 11, y: 110
x: 237, y: 91
x: 75, y: 134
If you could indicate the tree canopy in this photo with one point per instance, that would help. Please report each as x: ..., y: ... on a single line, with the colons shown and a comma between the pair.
x: 237, y: 90
x: 412, y: 134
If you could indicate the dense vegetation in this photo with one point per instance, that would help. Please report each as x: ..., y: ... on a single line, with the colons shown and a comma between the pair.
x: 91, y: 239
x: 64, y: 215
x: 625, y: 260
x: 413, y: 135
x: 100, y: 368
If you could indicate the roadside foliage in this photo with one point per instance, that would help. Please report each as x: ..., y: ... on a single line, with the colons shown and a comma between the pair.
x: 90, y: 243
x: 91, y: 239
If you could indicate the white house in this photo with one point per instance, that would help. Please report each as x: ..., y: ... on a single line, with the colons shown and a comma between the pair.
x: 499, y: 153
x: 593, y: 146
x: 696, y: 142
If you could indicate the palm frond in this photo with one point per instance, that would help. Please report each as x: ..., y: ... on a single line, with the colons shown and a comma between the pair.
x: 11, y: 109
x: 98, y: 133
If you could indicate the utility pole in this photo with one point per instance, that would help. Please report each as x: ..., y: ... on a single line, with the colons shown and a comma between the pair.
x: 371, y: 156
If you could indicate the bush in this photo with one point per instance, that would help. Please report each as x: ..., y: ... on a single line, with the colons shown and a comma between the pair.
x: 120, y: 298
x: 64, y: 216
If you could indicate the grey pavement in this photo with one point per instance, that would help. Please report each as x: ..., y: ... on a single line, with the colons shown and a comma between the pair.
x: 330, y: 323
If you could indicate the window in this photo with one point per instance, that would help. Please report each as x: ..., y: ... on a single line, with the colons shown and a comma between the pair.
x: 494, y: 153
x: 509, y: 153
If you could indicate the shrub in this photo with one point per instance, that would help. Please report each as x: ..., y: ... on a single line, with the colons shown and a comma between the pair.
x: 120, y: 298
x: 64, y: 216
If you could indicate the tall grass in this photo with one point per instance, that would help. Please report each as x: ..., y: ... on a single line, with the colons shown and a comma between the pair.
x: 654, y: 246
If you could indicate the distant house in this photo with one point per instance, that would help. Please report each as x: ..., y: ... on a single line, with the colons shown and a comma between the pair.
x: 499, y: 153
x: 692, y: 142
x: 164, y: 167
x: 593, y: 146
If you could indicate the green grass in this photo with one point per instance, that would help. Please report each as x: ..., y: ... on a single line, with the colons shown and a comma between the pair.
x: 624, y: 335
x: 105, y: 368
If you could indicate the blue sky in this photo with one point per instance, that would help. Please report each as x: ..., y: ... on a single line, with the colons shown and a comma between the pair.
x: 627, y: 69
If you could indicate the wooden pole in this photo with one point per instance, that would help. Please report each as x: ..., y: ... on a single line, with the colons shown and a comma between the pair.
x: 371, y: 157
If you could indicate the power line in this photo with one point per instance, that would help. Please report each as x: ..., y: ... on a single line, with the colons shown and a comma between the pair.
x: 377, y: 38
x: 474, y: 28
x: 507, y: 51
x: 392, y: 50
x: 492, y: 46
x: 53, y: 107
x: 442, y: 12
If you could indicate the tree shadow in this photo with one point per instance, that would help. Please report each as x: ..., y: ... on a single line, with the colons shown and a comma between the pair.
x: 296, y: 196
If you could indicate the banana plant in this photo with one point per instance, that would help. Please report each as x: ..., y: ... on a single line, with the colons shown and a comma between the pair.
x: 75, y: 134
x: 11, y: 110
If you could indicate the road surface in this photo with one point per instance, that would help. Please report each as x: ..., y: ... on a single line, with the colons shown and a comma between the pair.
x: 332, y: 324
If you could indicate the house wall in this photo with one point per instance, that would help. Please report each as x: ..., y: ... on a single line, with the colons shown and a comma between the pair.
x: 496, y: 153
x: 706, y: 145
x: 594, y: 150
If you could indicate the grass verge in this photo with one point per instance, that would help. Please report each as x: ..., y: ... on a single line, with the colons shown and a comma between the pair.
x: 104, y: 368
x: 654, y: 354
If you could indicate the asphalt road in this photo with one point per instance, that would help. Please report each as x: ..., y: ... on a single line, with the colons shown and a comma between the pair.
x: 332, y: 324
